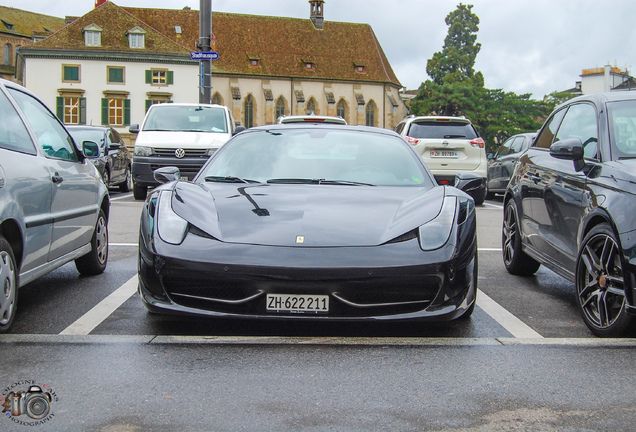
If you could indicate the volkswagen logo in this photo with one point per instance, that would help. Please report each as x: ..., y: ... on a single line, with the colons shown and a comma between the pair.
x: 179, y: 153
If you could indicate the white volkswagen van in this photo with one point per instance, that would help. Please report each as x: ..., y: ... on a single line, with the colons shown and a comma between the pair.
x: 184, y: 135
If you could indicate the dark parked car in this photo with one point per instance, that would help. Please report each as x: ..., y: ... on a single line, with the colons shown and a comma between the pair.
x: 114, y: 162
x: 502, y: 163
x: 570, y: 206
x: 310, y: 221
x: 53, y: 203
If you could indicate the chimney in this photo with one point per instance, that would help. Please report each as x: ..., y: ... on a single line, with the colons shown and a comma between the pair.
x: 99, y: 3
x: 316, y: 14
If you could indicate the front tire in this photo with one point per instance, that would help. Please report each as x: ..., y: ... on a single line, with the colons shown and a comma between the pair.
x: 600, y: 285
x: 479, y: 195
x: 517, y: 262
x: 95, y: 261
x: 8, y: 286
x: 140, y: 192
x: 127, y: 185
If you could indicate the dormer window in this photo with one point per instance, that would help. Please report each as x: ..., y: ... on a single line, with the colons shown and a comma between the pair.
x: 8, y: 25
x: 254, y: 63
x: 309, y: 66
x: 136, y: 37
x: 92, y: 35
x: 360, y: 69
x: 177, y: 29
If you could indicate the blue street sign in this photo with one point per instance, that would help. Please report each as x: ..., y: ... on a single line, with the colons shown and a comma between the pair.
x: 197, y: 55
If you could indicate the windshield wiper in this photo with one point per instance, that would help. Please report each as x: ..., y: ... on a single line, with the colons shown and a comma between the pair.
x: 626, y: 157
x: 316, y: 181
x: 228, y: 179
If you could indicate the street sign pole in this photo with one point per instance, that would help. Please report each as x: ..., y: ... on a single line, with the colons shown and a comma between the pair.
x: 205, y: 32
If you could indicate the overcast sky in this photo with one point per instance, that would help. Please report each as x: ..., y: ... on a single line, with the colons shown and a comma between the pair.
x: 527, y: 46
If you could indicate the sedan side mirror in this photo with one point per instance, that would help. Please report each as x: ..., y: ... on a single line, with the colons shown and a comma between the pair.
x: 238, y: 129
x: 167, y: 174
x: 569, y: 149
x: 134, y: 128
x: 90, y: 149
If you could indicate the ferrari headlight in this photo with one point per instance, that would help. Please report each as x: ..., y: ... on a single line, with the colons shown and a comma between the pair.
x: 170, y: 226
x: 435, y: 234
x: 142, y: 151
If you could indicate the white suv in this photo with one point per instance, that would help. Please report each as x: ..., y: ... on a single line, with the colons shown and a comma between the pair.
x: 448, y: 145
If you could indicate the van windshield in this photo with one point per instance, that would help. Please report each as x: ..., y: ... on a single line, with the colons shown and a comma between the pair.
x: 173, y: 118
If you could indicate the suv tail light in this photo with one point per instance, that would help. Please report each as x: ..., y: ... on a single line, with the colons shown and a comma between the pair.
x: 412, y: 141
x: 478, y: 142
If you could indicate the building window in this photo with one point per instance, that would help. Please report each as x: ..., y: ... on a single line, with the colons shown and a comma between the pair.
x: 71, y: 73
x: 341, y: 109
x: 216, y: 99
x: 7, y: 54
x: 249, y: 111
x: 370, y: 114
x: 280, y: 107
x: 311, y: 107
x: 71, y: 109
x: 115, y: 74
x: 92, y: 35
x: 159, y: 77
x: 116, y: 111
x: 136, y: 40
x: 92, y: 38
x: 309, y: 66
x: 254, y: 63
x: 136, y: 37
x: 8, y: 25
x: 360, y: 69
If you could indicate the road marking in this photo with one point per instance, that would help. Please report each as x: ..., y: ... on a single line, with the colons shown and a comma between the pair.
x: 94, y: 317
x: 489, y: 206
x: 590, y: 342
x: 124, y: 244
x: 514, y: 325
x: 489, y: 249
x: 120, y: 197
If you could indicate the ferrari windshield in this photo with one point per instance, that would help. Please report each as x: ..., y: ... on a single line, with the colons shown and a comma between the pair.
x: 317, y: 156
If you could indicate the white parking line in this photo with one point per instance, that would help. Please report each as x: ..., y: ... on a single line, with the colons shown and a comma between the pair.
x: 514, y: 325
x: 94, y: 317
x: 120, y: 197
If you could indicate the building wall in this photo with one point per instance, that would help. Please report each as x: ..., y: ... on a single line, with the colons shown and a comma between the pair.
x: 93, y: 82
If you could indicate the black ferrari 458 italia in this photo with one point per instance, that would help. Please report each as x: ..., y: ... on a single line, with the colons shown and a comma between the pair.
x: 311, y: 221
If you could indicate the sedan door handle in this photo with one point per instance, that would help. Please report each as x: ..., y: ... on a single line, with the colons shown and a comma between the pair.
x: 57, y: 178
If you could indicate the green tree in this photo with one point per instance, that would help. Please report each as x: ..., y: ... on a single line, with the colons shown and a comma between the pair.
x: 455, y: 89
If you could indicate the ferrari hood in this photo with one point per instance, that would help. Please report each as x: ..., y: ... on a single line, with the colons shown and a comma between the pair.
x: 305, y: 215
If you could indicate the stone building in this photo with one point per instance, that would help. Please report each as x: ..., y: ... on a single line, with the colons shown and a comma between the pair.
x: 20, y: 28
x: 109, y: 65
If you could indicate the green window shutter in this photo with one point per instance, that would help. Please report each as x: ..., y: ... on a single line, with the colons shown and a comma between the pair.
x: 148, y: 76
x: 60, y: 108
x: 82, y: 110
x: 148, y: 103
x: 115, y: 75
x: 126, y: 112
x: 170, y: 77
x: 105, y: 111
x: 71, y: 73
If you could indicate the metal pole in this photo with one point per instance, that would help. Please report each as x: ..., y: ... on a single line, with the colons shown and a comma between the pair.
x: 205, y: 69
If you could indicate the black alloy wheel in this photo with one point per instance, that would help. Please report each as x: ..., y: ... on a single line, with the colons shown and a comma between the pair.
x: 517, y: 262
x: 106, y: 177
x: 600, y: 286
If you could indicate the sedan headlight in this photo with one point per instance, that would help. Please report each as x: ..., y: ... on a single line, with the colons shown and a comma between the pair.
x: 170, y: 226
x: 142, y: 151
x: 435, y: 234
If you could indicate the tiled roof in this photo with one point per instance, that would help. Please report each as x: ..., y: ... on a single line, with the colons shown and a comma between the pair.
x: 25, y: 24
x: 115, y: 22
x: 282, y: 45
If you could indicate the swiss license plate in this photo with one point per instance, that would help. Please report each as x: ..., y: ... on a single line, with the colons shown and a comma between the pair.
x: 297, y: 303
x: 443, y: 153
